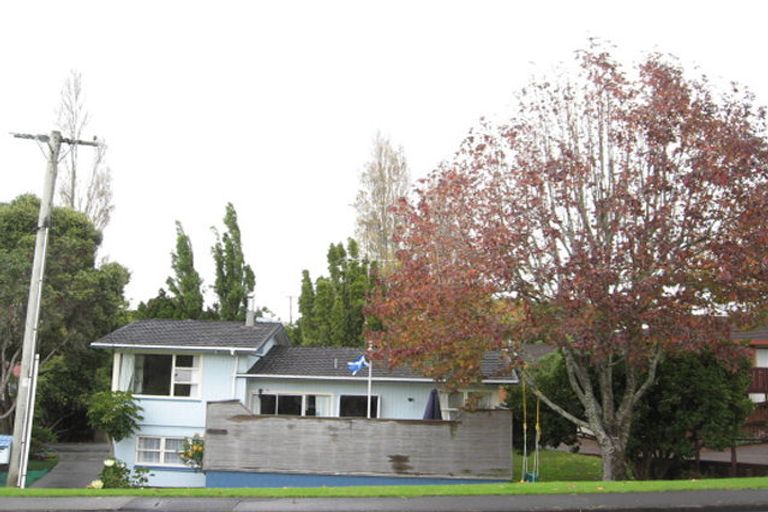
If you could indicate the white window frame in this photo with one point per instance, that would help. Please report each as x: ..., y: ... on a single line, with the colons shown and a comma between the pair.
x: 162, y: 451
x: 761, y: 357
x: 196, y: 381
x: 256, y: 404
x: 449, y: 412
x: 373, y: 395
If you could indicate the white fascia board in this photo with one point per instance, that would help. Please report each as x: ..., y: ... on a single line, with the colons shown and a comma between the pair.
x: 192, y: 348
x: 326, y: 377
x: 363, y: 378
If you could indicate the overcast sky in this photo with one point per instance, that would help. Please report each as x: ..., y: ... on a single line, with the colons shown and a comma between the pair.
x: 273, y: 106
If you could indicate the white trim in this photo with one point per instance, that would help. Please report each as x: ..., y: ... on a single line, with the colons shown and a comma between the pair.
x: 195, y: 384
x: 162, y: 451
x: 168, y: 397
x: 116, y: 360
x: 351, y: 378
x: 235, y: 368
x: 190, y: 348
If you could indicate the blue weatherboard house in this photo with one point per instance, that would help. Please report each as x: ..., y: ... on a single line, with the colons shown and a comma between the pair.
x: 175, y: 368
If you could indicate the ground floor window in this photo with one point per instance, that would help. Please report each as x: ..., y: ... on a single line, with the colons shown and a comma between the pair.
x: 159, y: 450
x: 289, y: 404
x: 356, y: 406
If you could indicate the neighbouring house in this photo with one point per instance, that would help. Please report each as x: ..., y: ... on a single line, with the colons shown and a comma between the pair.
x: 756, y: 426
x: 758, y: 344
x: 181, y: 370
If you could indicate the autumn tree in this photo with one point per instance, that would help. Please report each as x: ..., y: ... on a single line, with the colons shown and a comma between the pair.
x: 234, y: 277
x: 383, y: 181
x: 87, y: 189
x: 618, y: 214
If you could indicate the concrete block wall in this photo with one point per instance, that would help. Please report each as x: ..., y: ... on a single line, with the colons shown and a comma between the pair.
x: 477, y: 444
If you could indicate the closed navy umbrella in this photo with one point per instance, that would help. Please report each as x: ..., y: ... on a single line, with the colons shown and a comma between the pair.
x: 433, y: 412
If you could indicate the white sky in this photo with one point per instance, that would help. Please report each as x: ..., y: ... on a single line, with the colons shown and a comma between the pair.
x: 273, y: 105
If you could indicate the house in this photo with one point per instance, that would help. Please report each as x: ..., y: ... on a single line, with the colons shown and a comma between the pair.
x: 176, y: 368
x: 758, y: 344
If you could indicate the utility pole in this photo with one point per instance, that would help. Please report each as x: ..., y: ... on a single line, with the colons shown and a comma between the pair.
x: 25, y: 399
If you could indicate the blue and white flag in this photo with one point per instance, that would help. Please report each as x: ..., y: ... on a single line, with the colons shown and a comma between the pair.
x: 357, y: 365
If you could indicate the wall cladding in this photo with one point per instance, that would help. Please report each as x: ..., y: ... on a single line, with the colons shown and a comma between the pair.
x: 477, y: 444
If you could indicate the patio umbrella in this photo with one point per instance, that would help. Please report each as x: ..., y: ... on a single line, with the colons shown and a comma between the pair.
x: 432, y: 412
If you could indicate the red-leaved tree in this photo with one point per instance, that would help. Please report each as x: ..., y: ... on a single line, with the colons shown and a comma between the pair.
x: 618, y: 215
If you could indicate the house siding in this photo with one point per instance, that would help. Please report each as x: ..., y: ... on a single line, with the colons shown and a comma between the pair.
x: 399, y: 400
x: 180, y: 417
x: 761, y: 363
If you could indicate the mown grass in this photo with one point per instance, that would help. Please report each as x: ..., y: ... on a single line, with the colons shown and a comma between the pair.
x: 559, y: 466
x: 561, y: 473
x: 409, y: 491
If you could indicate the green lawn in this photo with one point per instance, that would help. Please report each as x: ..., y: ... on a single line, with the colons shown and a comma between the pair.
x: 406, y: 491
x: 558, y: 466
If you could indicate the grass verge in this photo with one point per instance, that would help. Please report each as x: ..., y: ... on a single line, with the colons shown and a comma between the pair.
x: 410, y: 491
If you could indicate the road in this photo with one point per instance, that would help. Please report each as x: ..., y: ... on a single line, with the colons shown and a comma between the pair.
x: 752, y: 500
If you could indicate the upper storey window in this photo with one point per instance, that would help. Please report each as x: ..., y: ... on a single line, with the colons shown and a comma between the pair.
x: 167, y: 375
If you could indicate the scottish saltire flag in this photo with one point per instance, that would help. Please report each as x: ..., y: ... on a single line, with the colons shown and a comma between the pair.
x: 357, y: 365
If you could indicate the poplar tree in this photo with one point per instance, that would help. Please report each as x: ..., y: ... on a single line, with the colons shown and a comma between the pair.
x: 383, y: 181
x: 234, y: 278
x: 186, y: 282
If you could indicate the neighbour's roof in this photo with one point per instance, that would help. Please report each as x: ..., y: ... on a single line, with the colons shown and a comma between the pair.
x: 297, y: 361
x: 199, y: 334
x: 755, y: 336
x: 532, y: 352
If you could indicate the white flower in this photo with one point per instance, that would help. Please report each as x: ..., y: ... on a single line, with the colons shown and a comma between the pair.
x: 109, y: 462
x: 96, y: 484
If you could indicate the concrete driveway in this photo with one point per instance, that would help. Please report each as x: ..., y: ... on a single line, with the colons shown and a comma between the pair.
x: 79, y: 464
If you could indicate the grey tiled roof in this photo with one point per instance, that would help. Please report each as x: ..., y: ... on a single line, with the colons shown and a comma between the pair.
x: 332, y: 362
x: 193, y: 333
x: 754, y: 335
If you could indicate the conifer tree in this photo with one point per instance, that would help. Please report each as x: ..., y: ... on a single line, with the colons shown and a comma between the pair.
x: 332, y: 310
x: 307, y: 324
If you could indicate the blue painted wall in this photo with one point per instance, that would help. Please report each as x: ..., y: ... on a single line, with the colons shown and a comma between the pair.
x: 180, y: 418
x: 232, y: 479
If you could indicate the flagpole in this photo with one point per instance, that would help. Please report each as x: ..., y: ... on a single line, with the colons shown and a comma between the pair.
x: 370, y: 375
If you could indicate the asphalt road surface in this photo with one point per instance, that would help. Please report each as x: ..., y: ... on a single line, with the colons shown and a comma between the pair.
x: 727, y: 501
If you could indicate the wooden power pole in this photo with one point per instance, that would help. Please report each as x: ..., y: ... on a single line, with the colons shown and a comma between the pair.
x: 25, y: 396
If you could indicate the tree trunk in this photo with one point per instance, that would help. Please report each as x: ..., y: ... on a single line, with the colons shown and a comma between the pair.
x: 613, y: 451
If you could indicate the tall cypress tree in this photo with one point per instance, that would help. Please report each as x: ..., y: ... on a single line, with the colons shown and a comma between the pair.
x: 234, y: 278
x: 332, y: 311
x: 186, y: 282
x: 307, y: 324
